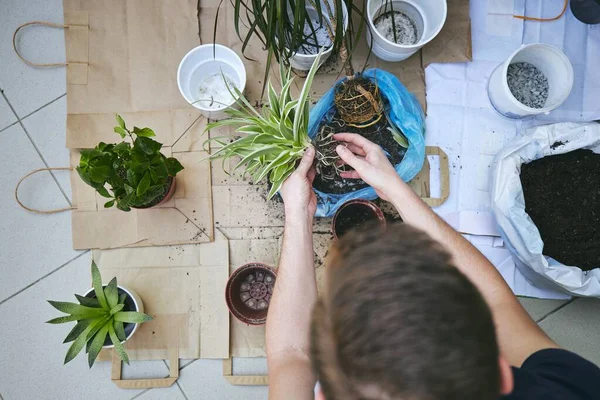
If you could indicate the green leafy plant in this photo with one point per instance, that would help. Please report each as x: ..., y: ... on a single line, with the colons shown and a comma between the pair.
x: 97, y: 318
x: 273, y: 140
x: 137, y: 174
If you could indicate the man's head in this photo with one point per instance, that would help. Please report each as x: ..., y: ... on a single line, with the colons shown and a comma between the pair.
x: 399, y: 321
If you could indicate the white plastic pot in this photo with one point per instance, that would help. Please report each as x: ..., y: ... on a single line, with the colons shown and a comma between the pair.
x: 210, y: 61
x: 138, y: 305
x: 428, y: 15
x: 552, y: 62
x: 304, y: 62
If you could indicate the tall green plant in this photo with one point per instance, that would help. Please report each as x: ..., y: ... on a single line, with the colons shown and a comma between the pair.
x: 97, y: 318
x: 273, y: 140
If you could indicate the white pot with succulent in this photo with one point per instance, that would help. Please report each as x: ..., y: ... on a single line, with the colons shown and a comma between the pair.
x: 106, y: 316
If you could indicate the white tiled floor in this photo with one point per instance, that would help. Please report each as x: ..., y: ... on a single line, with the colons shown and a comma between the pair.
x: 37, y: 262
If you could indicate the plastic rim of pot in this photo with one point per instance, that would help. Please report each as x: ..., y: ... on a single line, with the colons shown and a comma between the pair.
x: 552, y: 62
x: 199, y: 63
x: 304, y: 62
x: 167, y: 197
x: 366, y: 203
x: 236, y: 305
x: 138, y: 304
x: 428, y: 15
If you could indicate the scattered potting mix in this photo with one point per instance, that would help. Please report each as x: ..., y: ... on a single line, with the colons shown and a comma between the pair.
x: 215, y: 91
x: 562, y: 197
x: 528, y: 84
x: 316, y: 36
x: 397, y: 27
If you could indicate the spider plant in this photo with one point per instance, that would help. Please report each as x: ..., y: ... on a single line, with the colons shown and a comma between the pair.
x: 97, y: 318
x: 275, y: 138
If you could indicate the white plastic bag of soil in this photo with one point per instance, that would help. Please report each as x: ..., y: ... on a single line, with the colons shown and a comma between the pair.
x: 508, y: 205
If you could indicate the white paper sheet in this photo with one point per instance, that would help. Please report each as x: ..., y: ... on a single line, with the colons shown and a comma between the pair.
x: 461, y: 120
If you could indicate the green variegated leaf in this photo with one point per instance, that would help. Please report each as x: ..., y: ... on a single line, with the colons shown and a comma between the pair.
x: 116, y: 309
x: 122, y: 298
x: 118, y: 346
x: 65, y: 319
x: 96, y: 344
x: 77, y: 345
x: 74, y: 308
x: 97, y: 284
x: 120, y: 330
x: 111, y: 293
x: 132, y: 317
x: 78, y: 329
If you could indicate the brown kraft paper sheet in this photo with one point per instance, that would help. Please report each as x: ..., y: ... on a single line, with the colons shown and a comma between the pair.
x: 182, y: 287
x: 131, y: 70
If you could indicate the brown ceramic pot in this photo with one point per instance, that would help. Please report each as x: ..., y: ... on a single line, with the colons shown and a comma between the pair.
x: 248, y: 292
x: 166, y: 197
x: 353, y: 208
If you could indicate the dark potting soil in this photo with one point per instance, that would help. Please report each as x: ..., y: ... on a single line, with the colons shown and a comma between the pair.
x: 128, y: 306
x: 257, y: 289
x: 377, y: 133
x: 353, y: 216
x: 562, y: 197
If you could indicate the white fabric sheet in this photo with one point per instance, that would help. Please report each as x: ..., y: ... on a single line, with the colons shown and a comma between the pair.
x: 461, y: 120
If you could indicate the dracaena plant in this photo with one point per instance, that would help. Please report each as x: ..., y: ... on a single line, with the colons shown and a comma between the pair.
x: 97, y: 318
x: 137, y: 172
x: 274, y: 138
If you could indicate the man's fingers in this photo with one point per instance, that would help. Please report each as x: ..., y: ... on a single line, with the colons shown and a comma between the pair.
x: 355, y: 149
x: 350, y: 175
x: 348, y: 157
x: 307, y: 161
x: 358, y: 140
x: 311, y: 174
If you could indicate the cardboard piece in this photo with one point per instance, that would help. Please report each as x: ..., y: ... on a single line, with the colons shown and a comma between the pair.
x: 116, y: 368
x: 182, y: 288
x: 130, y: 70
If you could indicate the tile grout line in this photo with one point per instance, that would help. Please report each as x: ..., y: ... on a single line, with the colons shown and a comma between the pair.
x: 43, y: 277
x: 181, y: 390
x: 542, y: 319
x: 37, y: 149
x: 139, y: 394
x: 5, y: 128
x: 47, y: 104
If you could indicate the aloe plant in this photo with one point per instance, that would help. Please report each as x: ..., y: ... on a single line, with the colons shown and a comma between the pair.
x: 96, y: 319
x: 273, y: 140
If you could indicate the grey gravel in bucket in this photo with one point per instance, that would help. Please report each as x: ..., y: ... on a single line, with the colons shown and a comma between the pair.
x: 406, y: 29
x: 528, y: 84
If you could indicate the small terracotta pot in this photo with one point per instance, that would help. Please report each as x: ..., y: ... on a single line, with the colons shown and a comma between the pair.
x: 248, y: 292
x: 167, y: 197
x: 357, y: 202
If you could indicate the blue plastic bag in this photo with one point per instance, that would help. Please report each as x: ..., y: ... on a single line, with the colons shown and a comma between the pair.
x: 405, y: 112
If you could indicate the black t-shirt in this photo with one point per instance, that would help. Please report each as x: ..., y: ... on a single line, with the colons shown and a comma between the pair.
x: 556, y: 374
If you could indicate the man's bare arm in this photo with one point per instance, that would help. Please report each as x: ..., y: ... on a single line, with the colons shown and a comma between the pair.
x: 288, y: 322
x: 518, y: 335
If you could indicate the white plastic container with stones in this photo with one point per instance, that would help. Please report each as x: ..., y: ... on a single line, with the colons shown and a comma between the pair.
x: 206, y: 76
x: 428, y: 17
x: 304, y: 62
x: 552, y: 62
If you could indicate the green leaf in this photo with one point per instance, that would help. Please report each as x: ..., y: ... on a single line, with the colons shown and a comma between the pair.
x: 97, y: 284
x: 173, y: 166
x: 120, y: 122
x: 145, y: 132
x: 103, y: 192
x: 303, y: 100
x: 65, y: 319
x: 147, y: 145
x: 74, y: 308
x: 88, y: 302
x: 122, y: 298
x: 144, y: 184
x: 78, y: 330
x: 120, y: 330
x: 97, y: 343
x: 111, y: 293
x: 122, y: 132
x: 116, y: 309
x: 117, y: 343
x: 78, y: 344
x: 109, y: 204
x: 132, y: 317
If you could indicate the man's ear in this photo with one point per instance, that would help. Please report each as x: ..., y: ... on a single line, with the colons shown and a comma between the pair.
x: 319, y: 395
x: 507, y: 381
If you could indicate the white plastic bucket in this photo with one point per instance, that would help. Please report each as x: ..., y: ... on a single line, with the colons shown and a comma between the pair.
x: 428, y: 15
x: 552, y: 62
x: 198, y: 66
x: 304, y: 62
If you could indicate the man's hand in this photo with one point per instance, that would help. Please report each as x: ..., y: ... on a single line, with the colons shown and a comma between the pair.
x: 370, y: 164
x: 297, y: 193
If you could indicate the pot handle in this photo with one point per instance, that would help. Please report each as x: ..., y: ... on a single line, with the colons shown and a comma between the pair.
x: 444, y: 176
x: 242, y: 380
x: 115, y: 374
x: 35, y: 210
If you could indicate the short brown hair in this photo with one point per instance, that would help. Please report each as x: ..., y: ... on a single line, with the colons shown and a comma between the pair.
x: 399, y: 321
